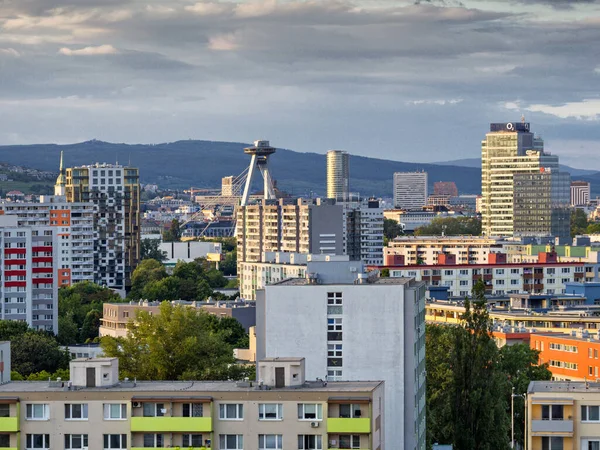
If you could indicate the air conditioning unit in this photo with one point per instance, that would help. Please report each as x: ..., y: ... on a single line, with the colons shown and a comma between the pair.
x: 136, y: 404
x: 163, y: 411
x: 315, y: 424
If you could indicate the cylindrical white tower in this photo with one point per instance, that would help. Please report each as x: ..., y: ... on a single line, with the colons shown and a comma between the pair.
x: 338, y: 175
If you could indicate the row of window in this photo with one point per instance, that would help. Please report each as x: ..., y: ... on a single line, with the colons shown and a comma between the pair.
x: 226, y: 441
x: 229, y: 411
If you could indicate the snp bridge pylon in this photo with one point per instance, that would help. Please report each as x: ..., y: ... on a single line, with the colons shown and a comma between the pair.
x: 260, y: 153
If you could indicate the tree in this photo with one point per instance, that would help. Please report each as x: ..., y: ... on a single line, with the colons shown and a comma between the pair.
x: 164, y: 289
x: 593, y: 228
x: 173, y: 234
x: 451, y: 226
x: 147, y: 271
x: 178, y: 343
x: 520, y: 364
x: 35, y: 351
x: 91, y: 326
x: 579, y: 222
x: 231, y: 330
x: 391, y: 229
x: 229, y: 264
x: 150, y: 249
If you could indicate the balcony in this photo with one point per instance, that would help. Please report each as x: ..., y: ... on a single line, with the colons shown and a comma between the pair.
x: 176, y: 447
x: 552, y: 427
x: 171, y: 424
x: 9, y: 424
x: 356, y: 425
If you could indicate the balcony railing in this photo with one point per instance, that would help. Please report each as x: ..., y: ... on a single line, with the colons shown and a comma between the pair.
x: 171, y: 424
x: 356, y: 425
x: 552, y: 426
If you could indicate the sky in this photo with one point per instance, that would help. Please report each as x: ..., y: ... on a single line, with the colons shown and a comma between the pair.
x: 403, y: 80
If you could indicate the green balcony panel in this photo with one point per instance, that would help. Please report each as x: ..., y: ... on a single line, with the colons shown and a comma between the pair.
x: 9, y: 448
x: 171, y: 424
x: 176, y: 447
x: 339, y: 425
x: 9, y: 424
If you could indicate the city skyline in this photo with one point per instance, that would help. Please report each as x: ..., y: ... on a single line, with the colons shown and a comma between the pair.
x: 127, y: 71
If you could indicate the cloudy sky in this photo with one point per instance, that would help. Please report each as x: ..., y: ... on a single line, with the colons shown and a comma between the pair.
x: 412, y: 81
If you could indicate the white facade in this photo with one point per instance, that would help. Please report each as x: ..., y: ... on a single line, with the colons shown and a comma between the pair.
x: 347, y: 331
x: 410, y: 190
x: 189, y: 250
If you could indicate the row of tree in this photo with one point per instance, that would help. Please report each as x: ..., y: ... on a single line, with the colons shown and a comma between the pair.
x: 180, y: 343
x: 470, y: 381
x: 195, y: 280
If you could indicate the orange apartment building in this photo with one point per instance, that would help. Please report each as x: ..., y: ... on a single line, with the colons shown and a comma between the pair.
x: 570, y: 358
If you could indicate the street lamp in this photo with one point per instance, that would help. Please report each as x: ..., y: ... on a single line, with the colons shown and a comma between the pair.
x: 512, y: 416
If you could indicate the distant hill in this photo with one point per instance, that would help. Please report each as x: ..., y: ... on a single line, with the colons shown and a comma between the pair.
x: 476, y: 162
x: 183, y: 164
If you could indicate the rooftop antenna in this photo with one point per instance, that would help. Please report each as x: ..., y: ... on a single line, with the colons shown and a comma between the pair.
x: 522, y: 118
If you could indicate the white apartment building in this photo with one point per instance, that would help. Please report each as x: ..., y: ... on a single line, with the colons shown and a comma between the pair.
x: 74, y: 224
x: 410, y: 190
x: 363, y: 231
x: 29, y: 285
x: 279, y: 266
x: 500, y: 279
x: 426, y: 249
x: 354, y: 327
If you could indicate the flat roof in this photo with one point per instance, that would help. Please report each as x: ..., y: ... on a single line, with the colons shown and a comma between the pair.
x: 562, y: 386
x: 380, y: 281
x: 189, y: 387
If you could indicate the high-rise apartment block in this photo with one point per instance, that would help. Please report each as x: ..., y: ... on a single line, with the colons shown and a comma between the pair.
x: 29, y: 285
x: 95, y: 410
x: 301, y: 226
x: 513, y: 202
x: 410, y: 190
x: 74, y: 226
x: 580, y: 193
x: 350, y: 326
x: 115, y: 191
x: 338, y: 175
x: 364, y: 231
x: 446, y: 188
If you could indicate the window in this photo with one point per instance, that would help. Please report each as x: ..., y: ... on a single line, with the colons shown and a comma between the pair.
x: 349, y: 441
x: 37, y: 411
x: 76, y: 441
x: 552, y: 412
x: 348, y: 411
x: 334, y: 298
x: 193, y: 410
x: 4, y: 411
x: 115, y: 411
x: 154, y: 409
x: 270, y: 411
x: 448, y: 272
x: 76, y: 411
x: 592, y: 445
x: 310, y: 442
x: 590, y: 413
x: 35, y: 441
x: 499, y: 271
x: 192, y: 440
x: 464, y: 282
x: 310, y: 411
x: 514, y: 271
x: 232, y: 411
x: 231, y: 441
x: 464, y: 272
x: 270, y: 441
x: 552, y: 443
x: 4, y: 440
x: 153, y: 440
x: 115, y: 441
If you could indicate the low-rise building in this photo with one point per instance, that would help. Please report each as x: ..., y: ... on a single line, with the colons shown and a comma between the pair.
x: 116, y: 316
x: 563, y: 415
x: 97, y: 411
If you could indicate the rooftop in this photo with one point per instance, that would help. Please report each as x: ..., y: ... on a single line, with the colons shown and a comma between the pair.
x: 312, y: 282
x: 188, y: 388
x: 562, y: 386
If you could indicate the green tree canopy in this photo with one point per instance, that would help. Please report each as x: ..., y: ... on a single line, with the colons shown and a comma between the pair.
x: 391, y: 229
x: 35, y: 351
x: 451, y: 226
x: 147, y: 271
x: 579, y: 222
x: 173, y: 234
x: 179, y: 343
x: 150, y: 249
